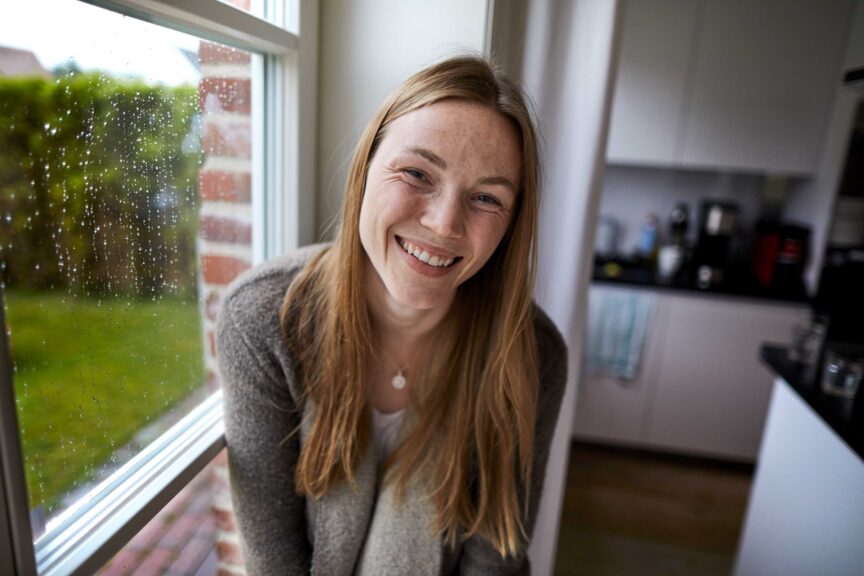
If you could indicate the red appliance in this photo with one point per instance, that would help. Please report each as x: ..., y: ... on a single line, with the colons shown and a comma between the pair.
x: 780, y: 252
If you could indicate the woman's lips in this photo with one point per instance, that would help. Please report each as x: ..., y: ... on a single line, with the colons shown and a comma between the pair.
x: 427, y: 260
x: 426, y: 254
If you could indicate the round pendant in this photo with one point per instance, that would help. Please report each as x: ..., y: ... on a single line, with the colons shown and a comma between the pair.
x: 399, y: 381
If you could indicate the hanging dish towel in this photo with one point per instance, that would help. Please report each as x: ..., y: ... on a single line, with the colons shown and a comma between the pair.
x: 617, y: 325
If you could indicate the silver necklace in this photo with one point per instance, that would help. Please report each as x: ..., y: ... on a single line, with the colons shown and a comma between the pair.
x: 398, y: 381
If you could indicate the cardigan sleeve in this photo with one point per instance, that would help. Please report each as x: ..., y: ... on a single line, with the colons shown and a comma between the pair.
x: 478, y: 557
x: 260, y: 416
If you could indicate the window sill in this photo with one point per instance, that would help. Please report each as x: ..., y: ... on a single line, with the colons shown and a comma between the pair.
x: 86, y: 536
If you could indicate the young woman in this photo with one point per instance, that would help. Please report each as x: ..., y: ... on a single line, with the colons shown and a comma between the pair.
x: 390, y: 398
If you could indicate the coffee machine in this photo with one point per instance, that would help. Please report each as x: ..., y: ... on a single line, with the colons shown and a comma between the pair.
x: 718, y: 222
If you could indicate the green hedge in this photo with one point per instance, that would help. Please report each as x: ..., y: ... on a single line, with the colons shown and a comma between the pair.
x: 98, y: 185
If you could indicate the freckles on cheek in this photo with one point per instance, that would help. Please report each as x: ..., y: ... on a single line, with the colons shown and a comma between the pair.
x: 501, y: 223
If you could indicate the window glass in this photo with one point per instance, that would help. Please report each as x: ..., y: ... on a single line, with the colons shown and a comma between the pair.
x: 182, y: 538
x: 125, y: 202
x: 254, y: 7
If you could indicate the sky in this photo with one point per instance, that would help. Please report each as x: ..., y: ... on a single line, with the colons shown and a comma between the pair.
x: 60, y: 30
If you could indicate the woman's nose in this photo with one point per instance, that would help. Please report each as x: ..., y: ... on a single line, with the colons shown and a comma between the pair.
x: 443, y: 214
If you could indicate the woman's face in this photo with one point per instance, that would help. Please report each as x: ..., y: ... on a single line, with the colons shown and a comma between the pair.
x: 440, y: 194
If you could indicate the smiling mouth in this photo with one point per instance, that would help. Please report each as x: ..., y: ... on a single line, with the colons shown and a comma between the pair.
x: 424, y: 256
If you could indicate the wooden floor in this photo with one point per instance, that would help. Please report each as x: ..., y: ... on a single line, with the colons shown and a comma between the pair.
x: 632, y: 512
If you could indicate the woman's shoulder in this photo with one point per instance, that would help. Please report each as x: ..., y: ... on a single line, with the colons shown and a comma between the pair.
x: 551, y: 347
x: 257, y: 294
x: 248, y: 330
x: 549, y: 338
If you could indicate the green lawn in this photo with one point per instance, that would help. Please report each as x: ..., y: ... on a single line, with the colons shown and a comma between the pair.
x: 89, y: 373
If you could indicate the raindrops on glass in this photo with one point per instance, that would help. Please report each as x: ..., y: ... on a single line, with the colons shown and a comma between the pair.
x: 101, y: 226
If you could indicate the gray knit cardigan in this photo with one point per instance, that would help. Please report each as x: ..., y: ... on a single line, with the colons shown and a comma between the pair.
x: 351, y: 530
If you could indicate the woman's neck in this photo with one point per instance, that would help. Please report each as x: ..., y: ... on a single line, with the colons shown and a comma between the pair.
x: 397, y: 327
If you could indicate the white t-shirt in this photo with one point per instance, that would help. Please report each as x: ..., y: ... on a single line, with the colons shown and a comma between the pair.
x: 386, y: 427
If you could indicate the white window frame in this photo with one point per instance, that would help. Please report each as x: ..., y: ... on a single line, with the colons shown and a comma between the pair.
x: 86, y: 536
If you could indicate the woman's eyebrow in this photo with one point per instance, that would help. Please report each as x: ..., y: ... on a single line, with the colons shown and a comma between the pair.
x: 429, y: 155
x: 440, y: 163
x: 498, y: 181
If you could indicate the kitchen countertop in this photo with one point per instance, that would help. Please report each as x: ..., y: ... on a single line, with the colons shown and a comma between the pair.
x: 844, y: 417
x: 742, y: 287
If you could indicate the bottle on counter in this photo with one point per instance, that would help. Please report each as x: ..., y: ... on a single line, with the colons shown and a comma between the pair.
x: 648, y: 241
x: 678, y: 223
x: 670, y: 257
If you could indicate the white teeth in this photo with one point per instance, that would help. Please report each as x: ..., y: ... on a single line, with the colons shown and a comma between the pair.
x: 424, y: 256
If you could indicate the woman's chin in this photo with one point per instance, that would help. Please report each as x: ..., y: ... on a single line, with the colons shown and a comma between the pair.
x: 420, y: 299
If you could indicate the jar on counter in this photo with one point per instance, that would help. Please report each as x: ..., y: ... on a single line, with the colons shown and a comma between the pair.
x: 841, y: 374
x: 606, y: 238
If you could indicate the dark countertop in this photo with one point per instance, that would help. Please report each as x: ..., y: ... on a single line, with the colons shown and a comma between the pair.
x: 845, y: 417
x: 741, y: 286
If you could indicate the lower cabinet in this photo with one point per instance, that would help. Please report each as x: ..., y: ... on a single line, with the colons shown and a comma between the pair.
x: 701, y: 388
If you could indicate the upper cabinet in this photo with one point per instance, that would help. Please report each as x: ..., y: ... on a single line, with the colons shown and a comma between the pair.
x: 727, y: 84
x: 649, y: 99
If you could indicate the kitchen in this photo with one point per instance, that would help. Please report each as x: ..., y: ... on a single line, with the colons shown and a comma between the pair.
x: 731, y: 217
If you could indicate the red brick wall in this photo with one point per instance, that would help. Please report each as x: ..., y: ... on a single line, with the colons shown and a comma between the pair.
x: 180, y: 540
x: 225, y: 238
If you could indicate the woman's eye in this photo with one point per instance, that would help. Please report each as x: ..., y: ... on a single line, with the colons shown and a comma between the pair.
x: 488, y: 200
x: 415, y: 174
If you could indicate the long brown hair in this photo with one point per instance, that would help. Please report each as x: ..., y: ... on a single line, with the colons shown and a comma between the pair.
x: 473, y: 430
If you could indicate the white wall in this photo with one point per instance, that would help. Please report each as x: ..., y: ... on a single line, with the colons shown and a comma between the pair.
x: 367, y: 48
x: 568, y: 69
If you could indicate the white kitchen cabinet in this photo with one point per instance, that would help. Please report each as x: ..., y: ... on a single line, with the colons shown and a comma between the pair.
x: 702, y: 389
x: 763, y: 84
x: 609, y: 409
x: 751, y: 90
x: 649, y: 100
x: 712, y: 392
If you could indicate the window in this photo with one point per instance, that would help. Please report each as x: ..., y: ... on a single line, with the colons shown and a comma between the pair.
x: 148, y: 155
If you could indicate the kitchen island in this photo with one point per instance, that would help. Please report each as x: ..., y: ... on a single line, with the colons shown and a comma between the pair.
x: 806, y: 509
